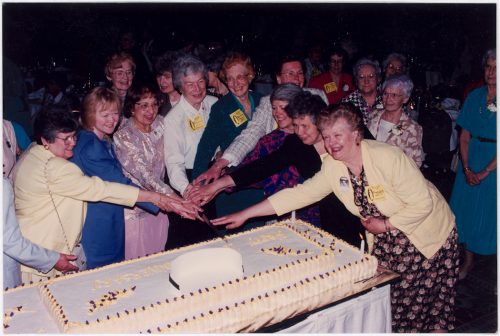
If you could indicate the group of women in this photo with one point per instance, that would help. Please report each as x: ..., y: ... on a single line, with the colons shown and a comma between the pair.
x: 103, y: 184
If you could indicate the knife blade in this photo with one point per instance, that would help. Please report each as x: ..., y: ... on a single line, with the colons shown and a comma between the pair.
x: 214, y: 228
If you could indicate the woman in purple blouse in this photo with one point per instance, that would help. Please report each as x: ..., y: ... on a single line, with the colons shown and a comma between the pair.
x: 139, y: 148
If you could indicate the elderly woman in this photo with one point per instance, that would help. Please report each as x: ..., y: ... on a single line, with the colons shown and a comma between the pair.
x: 394, y: 65
x: 184, y: 126
x: 50, y: 192
x: 392, y: 124
x: 120, y: 70
x: 228, y: 117
x: 305, y: 150
x: 103, y: 236
x: 139, y: 148
x: 170, y: 96
x: 366, y: 97
x: 411, y: 228
x: 474, y: 196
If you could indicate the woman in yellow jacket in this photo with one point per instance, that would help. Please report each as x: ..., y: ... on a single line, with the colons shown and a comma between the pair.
x: 50, y: 191
x: 410, y: 228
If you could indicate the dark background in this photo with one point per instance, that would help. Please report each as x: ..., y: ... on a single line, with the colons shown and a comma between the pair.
x: 440, y: 37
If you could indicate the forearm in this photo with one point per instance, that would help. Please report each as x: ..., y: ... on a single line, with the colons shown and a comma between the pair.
x: 260, y: 209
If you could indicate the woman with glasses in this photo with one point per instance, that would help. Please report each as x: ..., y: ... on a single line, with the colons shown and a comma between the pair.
x: 120, y: 71
x: 139, y: 148
x: 392, y: 124
x: 51, y: 192
x: 228, y: 117
x: 366, y: 97
x: 103, y: 235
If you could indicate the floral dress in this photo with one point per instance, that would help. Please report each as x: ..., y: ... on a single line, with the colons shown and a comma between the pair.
x: 423, y: 297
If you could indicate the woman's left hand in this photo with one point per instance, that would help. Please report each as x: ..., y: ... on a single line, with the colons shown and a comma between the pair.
x: 374, y: 225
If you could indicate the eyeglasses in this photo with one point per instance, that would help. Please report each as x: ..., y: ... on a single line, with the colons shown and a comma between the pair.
x: 293, y: 74
x: 239, y: 78
x: 67, y: 139
x: 370, y: 77
x: 123, y: 73
x: 146, y: 106
x: 391, y: 95
x: 336, y: 61
x: 394, y: 67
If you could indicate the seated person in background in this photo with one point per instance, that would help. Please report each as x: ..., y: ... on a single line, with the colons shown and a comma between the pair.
x: 366, y: 97
x: 184, y: 126
x: 392, y: 124
x: 170, y: 96
x: 394, y: 65
x: 290, y: 69
x: 19, y: 250
x: 228, y: 117
x: 305, y: 150
x: 335, y: 83
x: 54, y: 93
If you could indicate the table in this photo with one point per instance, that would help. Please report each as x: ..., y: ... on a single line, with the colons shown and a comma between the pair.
x: 366, y: 310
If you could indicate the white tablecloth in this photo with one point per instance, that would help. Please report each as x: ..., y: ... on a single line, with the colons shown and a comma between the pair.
x: 367, y: 313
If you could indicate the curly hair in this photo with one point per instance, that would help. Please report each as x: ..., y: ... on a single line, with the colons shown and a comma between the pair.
x: 305, y: 104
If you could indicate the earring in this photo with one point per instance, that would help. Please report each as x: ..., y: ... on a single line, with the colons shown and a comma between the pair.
x: 46, y: 147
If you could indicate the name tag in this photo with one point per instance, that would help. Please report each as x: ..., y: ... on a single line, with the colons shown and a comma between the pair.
x: 375, y: 193
x: 196, y: 123
x: 238, y: 117
x: 344, y: 184
x: 157, y: 132
x: 330, y: 87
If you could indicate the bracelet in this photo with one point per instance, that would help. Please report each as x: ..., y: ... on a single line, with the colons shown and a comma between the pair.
x: 467, y: 170
x: 488, y: 170
x: 386, y: 226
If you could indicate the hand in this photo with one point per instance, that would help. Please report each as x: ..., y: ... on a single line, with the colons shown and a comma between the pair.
x: 482, y: 174
x: 374, y: 225
x: 213, y: 173
x: 204, y: 194
x: 64, y: 265
x: 472, y: 178
x: 234, y: 220
x: 190, y: 189
x: 184, y: 208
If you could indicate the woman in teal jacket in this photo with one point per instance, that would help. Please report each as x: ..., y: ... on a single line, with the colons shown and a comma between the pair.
x: 228, y: 117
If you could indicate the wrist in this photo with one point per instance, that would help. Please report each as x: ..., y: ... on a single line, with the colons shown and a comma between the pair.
x: 467, y: 169
x: 488, y: 170
x: 386, y: 225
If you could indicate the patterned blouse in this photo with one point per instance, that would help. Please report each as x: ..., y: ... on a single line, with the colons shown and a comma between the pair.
x: 407, y: 135
x: 366, y: 110
x: 141, y: 155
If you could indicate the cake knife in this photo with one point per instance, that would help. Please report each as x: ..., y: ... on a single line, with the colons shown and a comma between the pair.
x: 214, y: 228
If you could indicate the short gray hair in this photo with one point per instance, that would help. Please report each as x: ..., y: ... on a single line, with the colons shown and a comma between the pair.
x: 402, y: 82
x: 366, y: 61
x: 491, y: 53
x: 285, y: 92
x: 397, y: 56
x: 185, y: 65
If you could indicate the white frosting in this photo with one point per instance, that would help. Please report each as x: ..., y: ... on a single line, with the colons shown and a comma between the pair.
x: 136, y: 296
x: 205, y: 268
